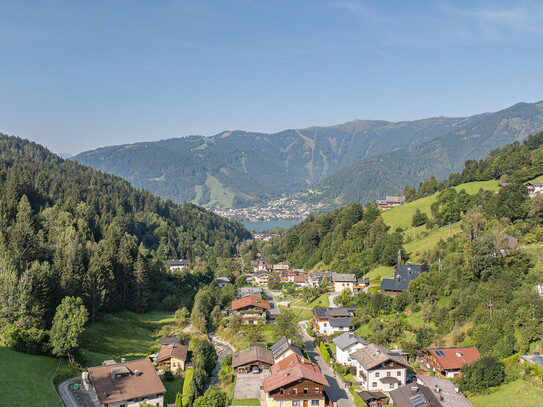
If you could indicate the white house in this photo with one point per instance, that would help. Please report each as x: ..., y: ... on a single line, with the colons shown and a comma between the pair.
x: 178, y: 265
x: 534, y: 188
x: 344, y: 282
x: 378, y: 369
x: 328, y: 321
x: 346, y: 345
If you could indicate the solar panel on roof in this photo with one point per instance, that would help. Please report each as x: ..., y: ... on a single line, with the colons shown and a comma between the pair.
x: 440, y: 353
x: 417, y: 400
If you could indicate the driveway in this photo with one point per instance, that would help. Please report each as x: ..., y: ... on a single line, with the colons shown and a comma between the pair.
x: 66, y: 395
x: 335, y: 390
x: 247, y: 385
x: 331, y: 299
x: 274, y: 308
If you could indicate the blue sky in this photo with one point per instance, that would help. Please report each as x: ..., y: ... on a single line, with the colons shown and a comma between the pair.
x: 78, y: 75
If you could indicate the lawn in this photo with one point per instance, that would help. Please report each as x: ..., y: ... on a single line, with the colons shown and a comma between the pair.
x: 379, y: 272
x: 321, y: 301
x: 26, y: 380
x: 517, y: 393
x: 302, y: 314
x: 417, y: 247
x: 245, y: 402
x: 172, y: 388
x: 401, y: 216
x: 473, y: 187
x: 123, y: 334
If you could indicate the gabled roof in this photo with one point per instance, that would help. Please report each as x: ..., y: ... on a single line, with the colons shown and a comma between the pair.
x: 347, y: 339
x: 110, y: 388
x: 454, y: 358
x: 395, y: 199
x: 282, y: 345
x: 172, y: 351
x: 170, y: 340
x: 374, y: 355
x: 291, y: 369
x: 447, y: 389
x: 180, y: 262
x: 251, y: 355
x: 250, y: 301
x: 344, y: 278
x: 403, y: 275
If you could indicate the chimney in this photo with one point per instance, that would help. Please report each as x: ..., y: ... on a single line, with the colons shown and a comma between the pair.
x: 414, y: 389
x: 459, y: 354
x: 123, y: 360
x: 437, y: 389
x: 456, y: 389
x: 137, y: 372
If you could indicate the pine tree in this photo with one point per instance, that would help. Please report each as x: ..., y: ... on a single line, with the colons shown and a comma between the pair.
x: 141, y: 294
x: 23, y: 241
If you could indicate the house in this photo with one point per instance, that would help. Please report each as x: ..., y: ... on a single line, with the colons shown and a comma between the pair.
x: 317, y: 278
x: 534, y: 188
x: 361, y: 283
x: 253, y: 291
x: 280, y: 266
x: 177, y: 265
x: 447, y: 362
x: 429, y: 391
x: 284, y: 348
x: 378, y: 369
x: 328, y: 321
x: 222, y: 281
x: 169, y: 340
x: 301, y: 280
x: 295, y: 382
x: 539, y: 289
x: 125, y: 384
x: 252, y: 309
x: 535, y: 358
x: 346, y: 344
x: 390, y: 202
x: 172, y: 356
x: 256, y: 356
x: 261, y: 277
x: 374, y: 398
x: 508, y: 241
x: 344, y: 282
x: 403, y: 275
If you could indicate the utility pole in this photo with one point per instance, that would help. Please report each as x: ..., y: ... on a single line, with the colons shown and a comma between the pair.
x: 399, y: 256
x: 490, y: 305
x: 440, y: 266
x: 449, y: 229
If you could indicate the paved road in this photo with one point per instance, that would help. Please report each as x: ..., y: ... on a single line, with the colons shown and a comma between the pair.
x: 335, y: 391
x: 67, y: 397
x: 331, y: 298
x: 274, y: 308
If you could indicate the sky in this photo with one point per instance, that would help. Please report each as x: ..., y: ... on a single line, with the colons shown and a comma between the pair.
x: 78, y: 75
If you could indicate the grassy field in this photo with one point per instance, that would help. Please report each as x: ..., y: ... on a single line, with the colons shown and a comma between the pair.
x: 517, y: 393
x: 302, y: 314
x: 380, y: 272
x: 172, y: 388
x: 218, y: 194
x: 26, y: 380
x: 474, y: 187
x: 401, y: 216
x: 321, y: 301
x: 417, y: 247
x: 123, y: 334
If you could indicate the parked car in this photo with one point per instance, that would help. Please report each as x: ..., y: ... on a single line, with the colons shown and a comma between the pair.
x: 411, y: 377
x: 255, y: 369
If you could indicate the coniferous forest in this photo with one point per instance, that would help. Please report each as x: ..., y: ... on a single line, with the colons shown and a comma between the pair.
x: 67, y: 230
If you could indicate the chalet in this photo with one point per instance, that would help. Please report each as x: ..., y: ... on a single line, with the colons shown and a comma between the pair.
x: 301, y: 280
x: 534, y: 188
x: 328, y: 321
x: 378, y: 369
x: 295, y: 381
x: 344, y: 282
x: 403, y: 275
x: 391, y: 202
x: 256, y: 356
x: 178, y: 265
x: 252, y: 309
x: 317, y: 278
x: 374, y: 398
x: 261, y: 277
x: 284, y: 348
x: 169, y: 340
x: 346, y: 344
x: 447, y: 362
x: 125, y: 384
x: 429, y: 391
x: 172, y: 356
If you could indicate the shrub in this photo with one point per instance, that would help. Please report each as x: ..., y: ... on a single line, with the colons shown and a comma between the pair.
x: 186, y: 387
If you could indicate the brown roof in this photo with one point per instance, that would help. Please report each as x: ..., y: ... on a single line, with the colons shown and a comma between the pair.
x: 170, y: 340
x: 110, y: 388
x: 250, y: 301
x: 251, y: 355
x: 395, y: 199
x: 291, y: 369
x: 373, y: 355
x: 300, y: 278
x: 172, y: 351
x: 454, y: 358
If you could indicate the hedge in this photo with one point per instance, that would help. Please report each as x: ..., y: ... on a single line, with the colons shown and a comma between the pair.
x: 186, y: 387
x: 324, y: 352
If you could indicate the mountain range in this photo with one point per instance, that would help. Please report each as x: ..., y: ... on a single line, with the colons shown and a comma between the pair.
x: 360, y: 160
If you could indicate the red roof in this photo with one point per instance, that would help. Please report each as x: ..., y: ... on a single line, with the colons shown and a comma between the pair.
x: 250, y: 301
x: 291, y: 369
x: 454, y: 358
x: 301, y: 278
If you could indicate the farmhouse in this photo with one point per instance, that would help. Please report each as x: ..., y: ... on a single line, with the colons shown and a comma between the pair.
x: 125, y: 384
x: 534, y: 188
x: 447, y: 362
x: 295, y: 381
x: 390, y: 202
x: 252, y: 309
x: 344, y: 282
x: 172, y: 356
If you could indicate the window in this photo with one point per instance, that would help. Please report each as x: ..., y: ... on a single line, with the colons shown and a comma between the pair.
x: 295, y: 391
x: 316, y: 389
x: 391, y: 385
x: 440, y: 353
x: 399, y: 373
x: 376, y: 374
x: 295, y: 403
x: 389, y: 374
x: 305, y: 390
x: 374, y: 384
x: 314, y: 402
x: 282, y: 391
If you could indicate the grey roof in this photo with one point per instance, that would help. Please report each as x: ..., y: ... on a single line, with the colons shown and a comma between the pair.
x: 340, y: 322
x: 282, y: 345
x: 374, y: 355
x: 169, y: 340
x: 427, y: 394
x: 533, y: 358
x: 338, y: 312
x: 347, y: 339
x: 180, y: 262
x: 337, y: 317
x: 403, y: 275
x: 344, y: 278
x: 535, y: 184
x: 223, y: 279
x: 371, y: 395
x: 252, y: 355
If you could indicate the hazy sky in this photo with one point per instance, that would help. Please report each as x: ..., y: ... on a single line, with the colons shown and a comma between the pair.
x: 76, y: 75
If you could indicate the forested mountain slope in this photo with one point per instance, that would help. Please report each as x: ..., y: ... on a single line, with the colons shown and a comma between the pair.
x: 70, y: 230
x: 388, y: 173
x: 239, y: 168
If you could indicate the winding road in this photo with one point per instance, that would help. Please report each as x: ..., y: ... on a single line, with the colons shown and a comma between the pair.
x: 66, y: 395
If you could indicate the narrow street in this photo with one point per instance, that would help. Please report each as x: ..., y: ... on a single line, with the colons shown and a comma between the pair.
x: 335, y: 391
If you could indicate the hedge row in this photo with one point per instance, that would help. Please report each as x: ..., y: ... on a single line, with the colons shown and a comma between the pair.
x: 186, y: 387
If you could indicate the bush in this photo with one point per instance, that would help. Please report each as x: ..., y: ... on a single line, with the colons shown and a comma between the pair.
x: 168, y: 374
x: 186, y: 387
x: 170, y: 303
x: 482, y: 374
